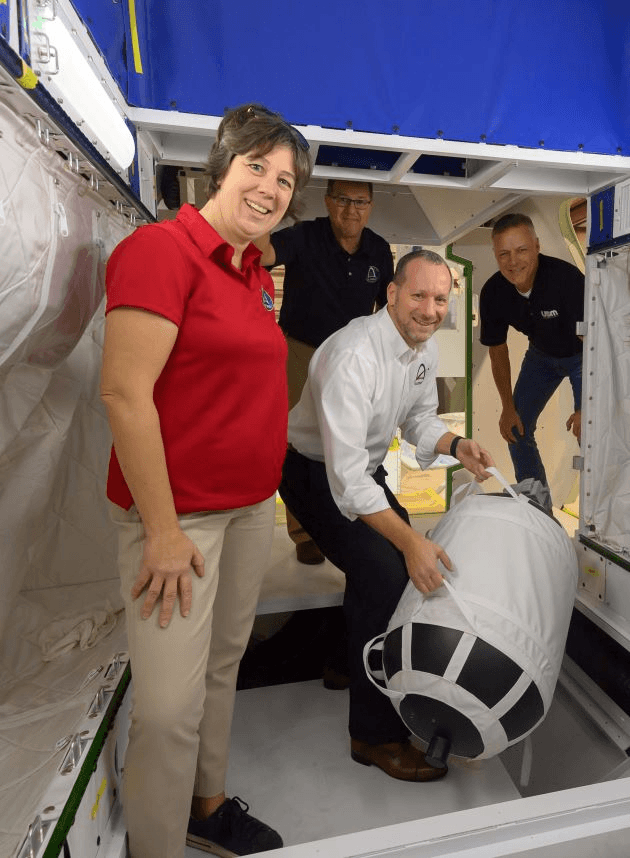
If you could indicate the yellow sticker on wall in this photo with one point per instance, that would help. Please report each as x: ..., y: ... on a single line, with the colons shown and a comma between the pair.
x: 99, y: 796
x: 28, y: 79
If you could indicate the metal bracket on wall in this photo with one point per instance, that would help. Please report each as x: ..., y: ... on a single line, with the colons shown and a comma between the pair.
x: 46, y: 54
x: 34, y: 839
x: 47, y: 4
x: 602, y: 258
x: 73, y: 755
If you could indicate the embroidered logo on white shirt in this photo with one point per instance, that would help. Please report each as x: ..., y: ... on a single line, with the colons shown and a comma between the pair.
x: 422, y: 371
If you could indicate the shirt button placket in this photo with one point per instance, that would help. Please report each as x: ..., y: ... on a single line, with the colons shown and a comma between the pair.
x: 403, y: 396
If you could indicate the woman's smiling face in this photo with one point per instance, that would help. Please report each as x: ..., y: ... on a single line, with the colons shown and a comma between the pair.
x: 255, y: 194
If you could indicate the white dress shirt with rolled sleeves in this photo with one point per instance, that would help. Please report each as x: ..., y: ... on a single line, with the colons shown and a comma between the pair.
x: 365, y: 382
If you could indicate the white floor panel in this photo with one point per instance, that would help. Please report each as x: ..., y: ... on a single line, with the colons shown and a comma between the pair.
x: 292, y: 586
x: 290, y: 761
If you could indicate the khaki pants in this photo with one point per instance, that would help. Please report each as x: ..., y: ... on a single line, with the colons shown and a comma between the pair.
x: 184, y: 676
x: 298, y: 360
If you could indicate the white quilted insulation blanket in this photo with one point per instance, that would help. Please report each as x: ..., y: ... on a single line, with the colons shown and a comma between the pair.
x: 60, y: 612
x: 605, y: 498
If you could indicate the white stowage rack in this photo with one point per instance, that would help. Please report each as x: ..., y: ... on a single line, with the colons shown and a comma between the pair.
x: 79, y: 810
x: 63, y: 667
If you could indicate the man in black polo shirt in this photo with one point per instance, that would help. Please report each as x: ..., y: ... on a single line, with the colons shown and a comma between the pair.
x: 543, y: 297
x: 335, y: 270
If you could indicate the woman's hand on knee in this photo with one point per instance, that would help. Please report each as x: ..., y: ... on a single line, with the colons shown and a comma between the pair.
x: 165, y: 574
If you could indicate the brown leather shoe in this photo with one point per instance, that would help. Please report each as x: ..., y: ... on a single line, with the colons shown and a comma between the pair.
x: 309, y: 553
x: 400, y: 760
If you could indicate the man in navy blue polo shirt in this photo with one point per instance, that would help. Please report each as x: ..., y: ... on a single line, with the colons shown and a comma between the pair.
x: 543, y: 298
x: 335, y: 270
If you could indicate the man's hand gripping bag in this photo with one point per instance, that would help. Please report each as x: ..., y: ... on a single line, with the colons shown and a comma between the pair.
x: 471, y: 669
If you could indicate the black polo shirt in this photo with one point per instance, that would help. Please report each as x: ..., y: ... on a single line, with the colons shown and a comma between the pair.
x: 324, y: 286
x: 548, y: 317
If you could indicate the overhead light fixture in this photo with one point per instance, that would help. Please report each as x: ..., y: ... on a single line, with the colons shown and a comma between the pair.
x: 72, y: 80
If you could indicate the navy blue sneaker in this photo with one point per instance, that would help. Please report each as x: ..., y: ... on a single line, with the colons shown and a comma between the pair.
x: 230, y: 831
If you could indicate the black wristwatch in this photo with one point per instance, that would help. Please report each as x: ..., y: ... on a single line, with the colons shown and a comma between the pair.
x: 454, y: 443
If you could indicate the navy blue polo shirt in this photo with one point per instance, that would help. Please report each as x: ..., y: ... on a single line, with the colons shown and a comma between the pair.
x: 548, y: 317
x: 324, y: 286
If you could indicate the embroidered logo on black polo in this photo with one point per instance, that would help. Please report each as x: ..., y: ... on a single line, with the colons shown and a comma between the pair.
x: 422, y: 371
x: 373, y: 274
x: 266, y: 299
x: 549, y: 314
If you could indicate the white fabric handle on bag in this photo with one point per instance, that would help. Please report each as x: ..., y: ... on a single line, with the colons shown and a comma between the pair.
x: 374, y: 644
x: 495, y: 472
x: 471, y: 488
x: 463, y: 607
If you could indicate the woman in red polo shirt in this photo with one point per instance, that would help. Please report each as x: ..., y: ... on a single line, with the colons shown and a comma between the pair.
x: 194, y: 383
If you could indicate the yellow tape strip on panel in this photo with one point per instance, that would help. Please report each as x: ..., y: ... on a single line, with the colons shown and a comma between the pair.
x: 135, y: 43
x: 99, y: 796
x: 28, y: 78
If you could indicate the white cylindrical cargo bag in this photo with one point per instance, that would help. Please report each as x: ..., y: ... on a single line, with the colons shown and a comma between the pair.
x: 472, y: 668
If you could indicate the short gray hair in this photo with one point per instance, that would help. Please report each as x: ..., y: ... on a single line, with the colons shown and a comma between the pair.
x: 509, y: 221
x: 428, y: 255
x: 254, y: 128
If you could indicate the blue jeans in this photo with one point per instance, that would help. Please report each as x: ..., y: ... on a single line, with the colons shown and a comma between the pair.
x: 539, y: 378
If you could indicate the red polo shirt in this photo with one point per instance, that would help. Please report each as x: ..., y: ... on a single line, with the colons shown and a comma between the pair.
x: 221, y: 397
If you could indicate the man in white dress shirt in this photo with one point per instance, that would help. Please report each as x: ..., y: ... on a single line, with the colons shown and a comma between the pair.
x: 365, y: 381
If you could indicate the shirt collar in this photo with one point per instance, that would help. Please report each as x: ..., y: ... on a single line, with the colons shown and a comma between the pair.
x: 208, y: 240
x: 362, y: 248
x: 393, y: 339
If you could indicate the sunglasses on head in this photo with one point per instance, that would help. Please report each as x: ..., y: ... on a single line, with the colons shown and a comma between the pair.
x: 243, y: 115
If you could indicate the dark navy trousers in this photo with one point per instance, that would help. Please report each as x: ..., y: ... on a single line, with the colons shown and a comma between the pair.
x: 376, y: 576
x: 539, y: 377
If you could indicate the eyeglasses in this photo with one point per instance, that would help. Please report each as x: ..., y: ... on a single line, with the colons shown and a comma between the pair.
x: 255, y: 112
x: 342, y: 202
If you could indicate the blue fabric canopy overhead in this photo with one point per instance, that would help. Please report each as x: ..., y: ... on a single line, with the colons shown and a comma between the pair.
x: 552, y: 73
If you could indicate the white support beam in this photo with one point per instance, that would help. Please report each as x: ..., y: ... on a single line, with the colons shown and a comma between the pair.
x: 188, y: 123
x: 173, y: 121
x: 489, y: 174
x: 447, y: 207
x: 349, y: 174
x: 402, y: 166
x: 460, y: 149
x: 513, y: 827
x: 530, y: 179
x: 313, y: 151
x: 481, y: 217
x: 184, y: 151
